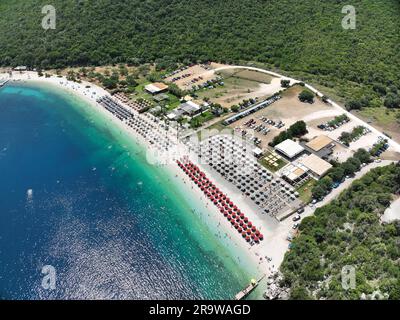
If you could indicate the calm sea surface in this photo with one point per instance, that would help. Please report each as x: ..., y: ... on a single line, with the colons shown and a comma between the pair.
x: 78, y: 195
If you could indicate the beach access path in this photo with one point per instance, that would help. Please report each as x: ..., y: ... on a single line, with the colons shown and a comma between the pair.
x: 275, y: 244
x: 279, y: 239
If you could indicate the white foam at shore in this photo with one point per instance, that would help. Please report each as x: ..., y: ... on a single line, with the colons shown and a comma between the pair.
x: 93, y: 93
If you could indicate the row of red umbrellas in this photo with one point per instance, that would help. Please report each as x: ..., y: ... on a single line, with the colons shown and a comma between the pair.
x: 225, y: 205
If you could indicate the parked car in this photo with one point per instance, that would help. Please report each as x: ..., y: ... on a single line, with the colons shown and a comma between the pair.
x: 297, y: 217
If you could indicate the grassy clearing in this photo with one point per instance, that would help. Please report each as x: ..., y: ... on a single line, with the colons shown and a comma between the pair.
x: 220, y: 127
x: 276, y: 165
x: 201, y: 119
x: 305, y: 190
x: 382, y: 116
x: 247, y: 75
x: 232, y: 86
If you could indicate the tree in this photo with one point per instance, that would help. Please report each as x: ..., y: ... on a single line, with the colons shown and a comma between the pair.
x: 130, y: 79
x: 176, y: 91
x: 298, y: 129
x: 71, y: 76
x: 349, y: 168
x: 326, y: 183
x: 83, y: 71
x: 392, y: 100
x: 380, y: 89
x: 299, y: 293
x: 318, y: 192
x: 110, y: 83
x: 356, y: 163
x: 363, y: 155
x: 306, y: 96
x: 235, y: 108
x: 337, y: 174
x: 285, y: 83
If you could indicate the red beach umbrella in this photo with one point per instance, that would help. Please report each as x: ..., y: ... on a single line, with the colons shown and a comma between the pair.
x: 244, y: 234
x: 256, y: 240
x: 254, y: 229
x: 250, y: 224
x: 229, y: 217
x: 261, y: 236
x: 248, y: 231
x: 240, y: 230
x: 248, y: 239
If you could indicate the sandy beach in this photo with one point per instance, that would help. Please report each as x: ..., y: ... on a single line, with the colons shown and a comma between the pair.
x: 265, y: 257
x: 228, y: 235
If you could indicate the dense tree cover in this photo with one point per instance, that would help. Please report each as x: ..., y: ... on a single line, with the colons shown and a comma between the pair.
x: 348, y: 232
x: 303, y: 38
x: 297, y: 129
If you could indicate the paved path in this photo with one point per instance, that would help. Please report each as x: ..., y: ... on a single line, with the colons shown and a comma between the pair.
x: 395, y: 146
x: 392, y: 213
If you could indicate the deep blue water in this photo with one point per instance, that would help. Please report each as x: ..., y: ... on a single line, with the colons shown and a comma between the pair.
x: 112, y: 226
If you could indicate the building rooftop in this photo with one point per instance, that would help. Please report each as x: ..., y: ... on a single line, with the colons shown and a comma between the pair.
x: 289, y: 148
x: 175, y: 114
x: 319, y: 143
x: 294, y: 172
x: 189, y: 107
x: 156, y: 87
x: 316, y: 164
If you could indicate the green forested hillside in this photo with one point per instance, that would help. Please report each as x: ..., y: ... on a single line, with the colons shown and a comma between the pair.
x: 348, y: 232
x: 302, y: 38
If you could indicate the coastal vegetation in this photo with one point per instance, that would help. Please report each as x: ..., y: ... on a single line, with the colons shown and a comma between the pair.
x: 313, y: 47
x: 339, y: 172
x: 306, y: 96
x: 297, y: 129
x: 348, y: 232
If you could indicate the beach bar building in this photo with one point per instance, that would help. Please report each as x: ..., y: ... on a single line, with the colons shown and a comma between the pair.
x: 317, y: 167
x: 322, y: 146
x: 156, y: 88
x: 289, y: 149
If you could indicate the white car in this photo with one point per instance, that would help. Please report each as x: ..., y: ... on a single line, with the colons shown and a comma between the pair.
x: 296, y: 218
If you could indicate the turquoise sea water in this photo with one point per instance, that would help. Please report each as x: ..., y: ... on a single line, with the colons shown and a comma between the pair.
x: 112, y: 226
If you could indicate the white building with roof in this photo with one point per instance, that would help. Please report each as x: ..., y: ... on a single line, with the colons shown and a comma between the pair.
x: 289, y: 148
x: 316, y: 165
x: 156, y: 88
x: 190, y: 108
